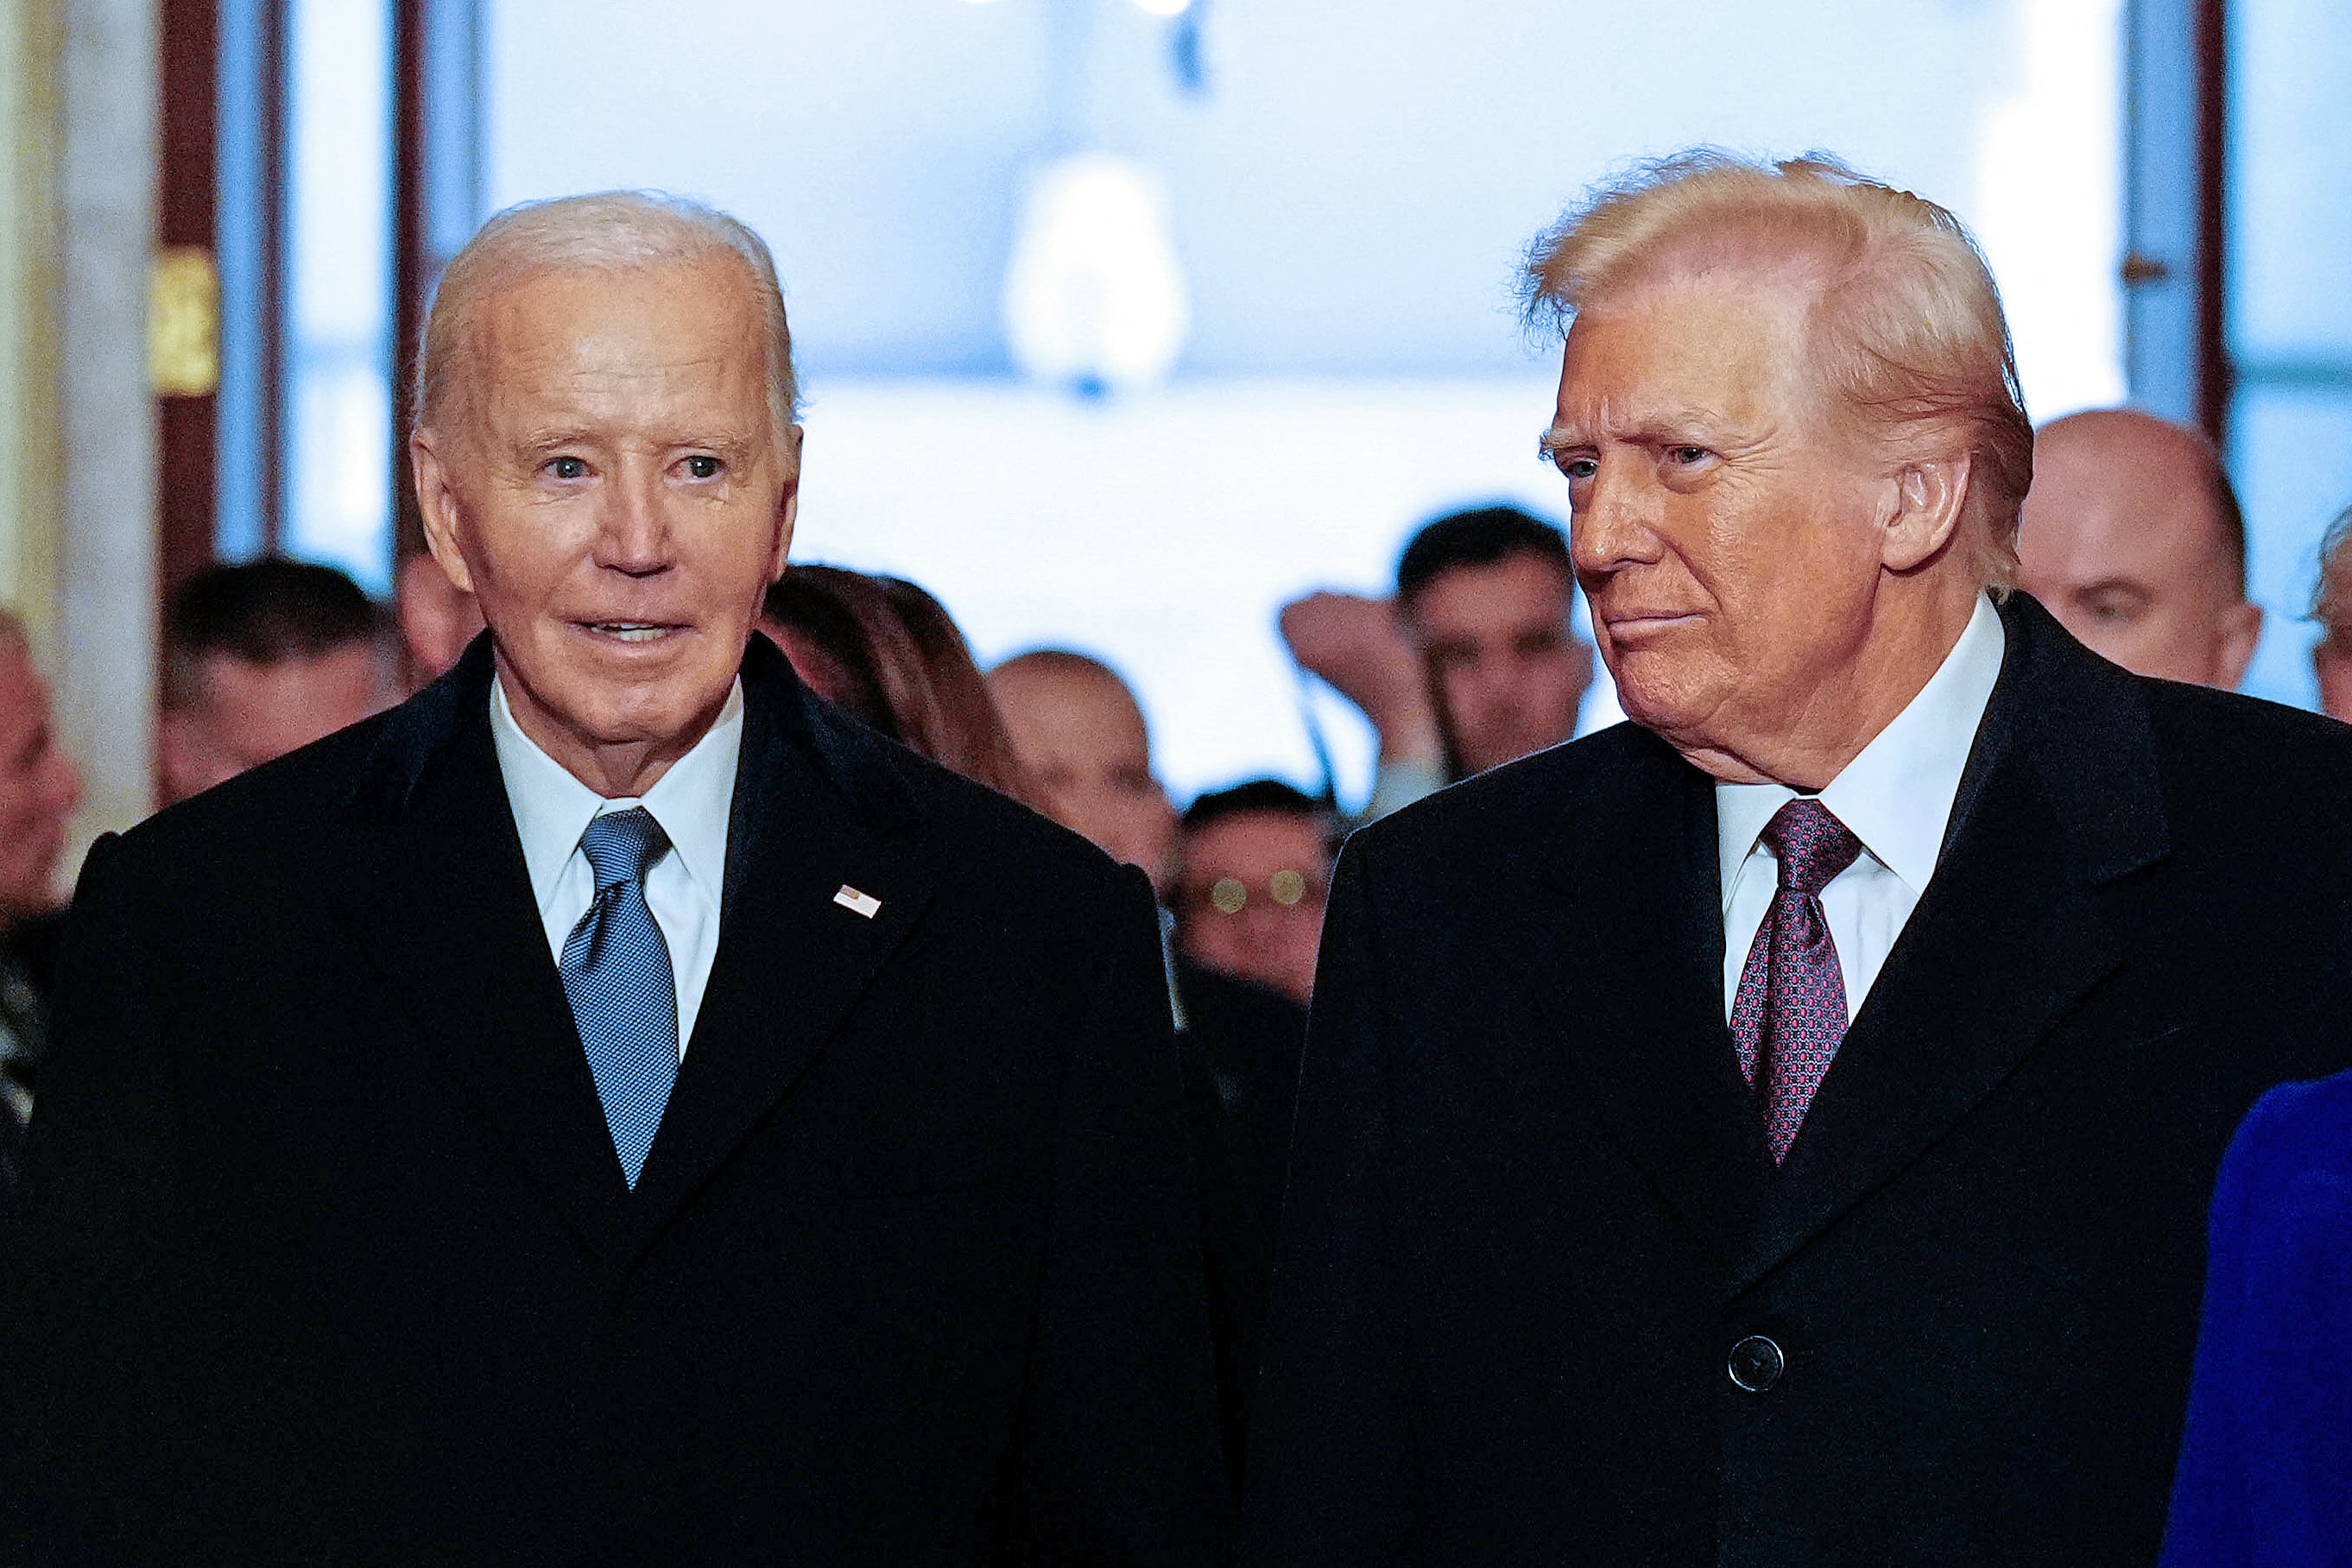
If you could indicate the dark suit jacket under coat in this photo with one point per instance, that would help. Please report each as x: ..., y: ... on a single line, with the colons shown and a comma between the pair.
x: 329, y: 1258
x: 1530, y: 1210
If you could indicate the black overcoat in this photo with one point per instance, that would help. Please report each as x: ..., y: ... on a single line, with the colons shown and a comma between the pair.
x: 1531, y: 1212
x: 325, y: 1254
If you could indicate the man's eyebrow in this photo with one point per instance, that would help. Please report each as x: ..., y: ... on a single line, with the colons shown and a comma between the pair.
x: 1647, y: 423
x: 725, y: 445
x: 2113, y: 583
x: 554, y: 438
x: 1677, y: 419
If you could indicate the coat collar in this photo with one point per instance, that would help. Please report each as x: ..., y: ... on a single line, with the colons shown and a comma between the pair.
x: 1897, y: 794
x: 1621, y: 943
x: 820, y: 804
x: 822, y: 812
x: 2059, y: 802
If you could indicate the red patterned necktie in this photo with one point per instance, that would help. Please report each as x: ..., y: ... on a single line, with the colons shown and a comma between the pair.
x: 1789, y: 1014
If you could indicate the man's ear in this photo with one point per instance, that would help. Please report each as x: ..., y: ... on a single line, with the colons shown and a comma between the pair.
x: 437, y: 507
x: 788, y: 506
x: 1929, y: 496
x: 2242, y: 628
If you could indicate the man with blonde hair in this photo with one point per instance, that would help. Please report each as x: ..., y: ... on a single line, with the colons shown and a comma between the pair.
x: 611, y: 1108
x: 1778, y: 1129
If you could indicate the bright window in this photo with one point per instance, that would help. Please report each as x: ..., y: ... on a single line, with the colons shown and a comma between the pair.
x: 1349, y: 187
x: 337, y: 416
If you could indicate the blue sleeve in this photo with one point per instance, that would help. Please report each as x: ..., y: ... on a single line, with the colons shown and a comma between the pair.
x: 2265, y: 1473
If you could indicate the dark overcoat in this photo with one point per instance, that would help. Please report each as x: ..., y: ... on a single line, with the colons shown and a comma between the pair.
x: 1530, y: 1212
x: 325, y: 1255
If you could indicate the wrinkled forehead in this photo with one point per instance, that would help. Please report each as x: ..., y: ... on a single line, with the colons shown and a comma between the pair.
x: 685, y: 334
x: 623, y: 322
x: 1686, y: 342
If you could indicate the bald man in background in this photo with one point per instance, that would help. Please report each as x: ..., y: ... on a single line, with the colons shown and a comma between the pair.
x: 2134, y: 540
x: 1080, y: 732
x: 1081, y: 739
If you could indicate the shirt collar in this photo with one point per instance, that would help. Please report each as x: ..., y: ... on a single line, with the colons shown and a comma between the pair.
x: 1896, y: 797
x: 552, y: 808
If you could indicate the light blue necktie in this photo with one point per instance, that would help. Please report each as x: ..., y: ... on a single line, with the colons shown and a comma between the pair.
x: 616, y: 973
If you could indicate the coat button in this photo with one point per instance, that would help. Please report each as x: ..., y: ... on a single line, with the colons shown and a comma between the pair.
x: 1756, y: 1363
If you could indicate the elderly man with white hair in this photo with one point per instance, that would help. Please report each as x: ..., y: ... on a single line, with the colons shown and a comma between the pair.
x: 1778, y: 1129
x: 610, y: 1108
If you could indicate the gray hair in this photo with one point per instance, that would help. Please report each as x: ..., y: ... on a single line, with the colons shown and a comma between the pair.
x: 2331, y: 604
x: 605, y: 231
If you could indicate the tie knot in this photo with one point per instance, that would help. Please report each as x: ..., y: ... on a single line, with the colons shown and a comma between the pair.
x: 622, y: 845
x: 1812, y: 845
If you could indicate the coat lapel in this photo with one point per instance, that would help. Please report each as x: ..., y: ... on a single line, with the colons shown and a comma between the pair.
x: 816, y: 810
x: 461, y: 949
x: 2060, y: 800
x: 1625, y: 960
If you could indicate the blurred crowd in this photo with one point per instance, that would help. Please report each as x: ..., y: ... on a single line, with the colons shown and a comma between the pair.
x: 2132, y: 539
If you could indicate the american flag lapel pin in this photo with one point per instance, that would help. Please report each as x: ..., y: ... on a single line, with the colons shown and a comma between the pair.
x: 857, y: 903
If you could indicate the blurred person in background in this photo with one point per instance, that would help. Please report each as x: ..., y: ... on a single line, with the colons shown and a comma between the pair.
x: 1079, y: 736
x: 1475, y: 663
x: 39, y: 789
x: 260, y: 658
x: 888, y: 654
x: 806, y: 614
x: 1081, y: 739
x: 2133, y: 538
x: 1253, y: 866
x: 973, y: 740
x: 2331, y: 607
x: 438, y: 619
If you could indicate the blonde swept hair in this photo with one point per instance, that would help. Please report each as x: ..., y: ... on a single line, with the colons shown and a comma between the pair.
x: 1905, y: 318
x: 603, y: 231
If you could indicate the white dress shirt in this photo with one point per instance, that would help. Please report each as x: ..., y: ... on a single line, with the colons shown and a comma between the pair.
x: 692, y: 802
x: 1897, y: 797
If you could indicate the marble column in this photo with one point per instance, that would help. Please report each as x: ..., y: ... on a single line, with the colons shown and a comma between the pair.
x: 106, y: 558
